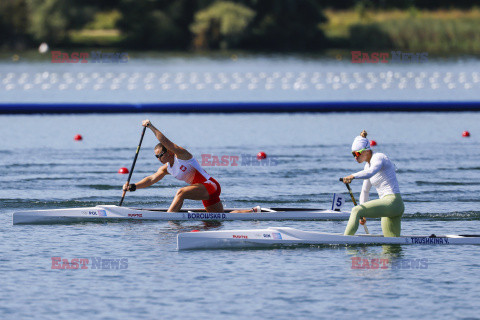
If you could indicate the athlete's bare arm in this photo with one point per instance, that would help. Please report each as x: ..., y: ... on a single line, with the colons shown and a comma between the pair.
x: 152, y: 179
x: 180, y: 152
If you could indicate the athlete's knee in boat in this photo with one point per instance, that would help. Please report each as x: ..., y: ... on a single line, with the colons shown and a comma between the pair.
x: 357, y: 210
x: 180, y: 192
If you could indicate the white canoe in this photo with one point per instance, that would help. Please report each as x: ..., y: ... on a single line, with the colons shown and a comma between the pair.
x: 111, y: 212
x: 272, y: 237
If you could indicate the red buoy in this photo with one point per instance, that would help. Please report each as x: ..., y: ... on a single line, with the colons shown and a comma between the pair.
x: 123, y: 170
x: 373, y: 143
x: 466, y: 134
x: 78, y: 137
x: 195, y: 231
x: 261, y: 155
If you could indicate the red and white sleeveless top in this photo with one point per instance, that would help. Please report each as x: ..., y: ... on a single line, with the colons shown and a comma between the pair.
x: 189, y: 171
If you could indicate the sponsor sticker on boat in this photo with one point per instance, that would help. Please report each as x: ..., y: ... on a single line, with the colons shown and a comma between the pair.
x: 277, y: 236
x: 239, y: 236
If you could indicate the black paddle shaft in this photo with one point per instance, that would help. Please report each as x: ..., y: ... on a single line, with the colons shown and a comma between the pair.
x: 133, y: 165
x: 350, y: 191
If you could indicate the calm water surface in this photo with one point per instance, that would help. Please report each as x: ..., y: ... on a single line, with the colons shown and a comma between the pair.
x: 42, y: 167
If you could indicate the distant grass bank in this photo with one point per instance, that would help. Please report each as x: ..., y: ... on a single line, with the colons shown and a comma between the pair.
x: 436, y: 32
x: 96, y: 38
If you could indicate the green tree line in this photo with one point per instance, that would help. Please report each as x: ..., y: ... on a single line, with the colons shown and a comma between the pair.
x: 280, y: 25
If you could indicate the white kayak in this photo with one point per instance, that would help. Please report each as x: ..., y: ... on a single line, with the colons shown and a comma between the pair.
x: 285, y: 236
x: 111, y: 212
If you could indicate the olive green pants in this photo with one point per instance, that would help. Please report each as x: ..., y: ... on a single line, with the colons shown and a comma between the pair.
x: 390, y: 208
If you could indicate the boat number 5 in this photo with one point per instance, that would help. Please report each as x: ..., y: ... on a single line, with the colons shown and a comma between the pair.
x: 337, y: 202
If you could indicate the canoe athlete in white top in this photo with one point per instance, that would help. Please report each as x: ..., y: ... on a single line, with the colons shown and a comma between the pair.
x: 379, y: 171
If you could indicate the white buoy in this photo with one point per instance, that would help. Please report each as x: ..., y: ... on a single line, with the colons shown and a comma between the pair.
x: 43, y: 48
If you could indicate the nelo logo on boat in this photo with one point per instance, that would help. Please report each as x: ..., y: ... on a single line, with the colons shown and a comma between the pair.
x: 240, y: 236
x: 135, y: 215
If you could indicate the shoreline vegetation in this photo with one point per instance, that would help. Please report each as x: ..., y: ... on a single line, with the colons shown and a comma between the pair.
x: 435, y: 32
x: 227, y: 26
x: 440, y: 32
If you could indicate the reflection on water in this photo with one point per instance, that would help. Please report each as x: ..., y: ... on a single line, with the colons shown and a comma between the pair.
x: 177, y: 226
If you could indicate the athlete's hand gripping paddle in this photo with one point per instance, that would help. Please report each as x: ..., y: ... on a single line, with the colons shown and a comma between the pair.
x: 133, y: 165
x: 363, y: 221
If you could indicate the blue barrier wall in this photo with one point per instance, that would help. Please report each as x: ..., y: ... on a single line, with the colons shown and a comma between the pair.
x: 239, y: 107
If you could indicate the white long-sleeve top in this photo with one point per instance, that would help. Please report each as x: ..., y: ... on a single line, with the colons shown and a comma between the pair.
x: 381, y: 174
